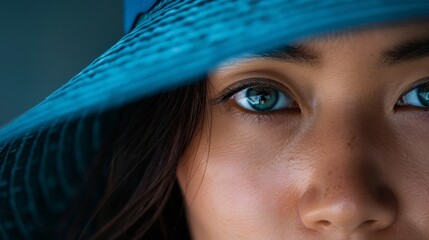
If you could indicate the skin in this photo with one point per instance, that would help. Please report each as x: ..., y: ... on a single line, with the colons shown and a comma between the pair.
x: 347, y: 165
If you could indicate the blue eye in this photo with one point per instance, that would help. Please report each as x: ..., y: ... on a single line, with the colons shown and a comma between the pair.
x: 418, y: 97
x: 260, y: 99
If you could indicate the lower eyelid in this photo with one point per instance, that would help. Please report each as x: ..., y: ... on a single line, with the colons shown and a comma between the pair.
x: 280, y: 115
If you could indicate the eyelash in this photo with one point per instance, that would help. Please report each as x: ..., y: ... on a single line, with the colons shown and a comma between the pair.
x: 420, y: 84
x: 227, y: 94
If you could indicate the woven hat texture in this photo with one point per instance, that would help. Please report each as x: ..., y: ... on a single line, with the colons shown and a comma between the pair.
x: 45, y: 152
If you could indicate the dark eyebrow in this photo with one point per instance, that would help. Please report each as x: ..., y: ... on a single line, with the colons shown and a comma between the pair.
x: 413, y: 49
x: 290, y: 53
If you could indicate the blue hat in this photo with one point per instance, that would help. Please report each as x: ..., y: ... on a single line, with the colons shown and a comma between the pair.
x: 45, y: 152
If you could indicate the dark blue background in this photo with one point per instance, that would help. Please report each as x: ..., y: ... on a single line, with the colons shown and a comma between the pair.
x: 44, y: 43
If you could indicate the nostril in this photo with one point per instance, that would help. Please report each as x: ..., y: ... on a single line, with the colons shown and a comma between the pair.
x: 369, y: 222
x: 348, y: 210
x: 324, y: 223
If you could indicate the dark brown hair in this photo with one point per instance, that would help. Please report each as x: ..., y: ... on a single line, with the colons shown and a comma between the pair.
x: 142, y: 198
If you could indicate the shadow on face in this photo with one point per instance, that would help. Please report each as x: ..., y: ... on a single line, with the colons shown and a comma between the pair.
x: 325, y: 138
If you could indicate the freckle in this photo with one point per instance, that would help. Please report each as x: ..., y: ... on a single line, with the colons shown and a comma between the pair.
x: 329, y: 173
x: 350, y: 142
x: 326, y: 192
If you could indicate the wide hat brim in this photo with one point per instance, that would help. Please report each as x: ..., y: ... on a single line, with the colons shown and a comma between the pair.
x: 45, y: 152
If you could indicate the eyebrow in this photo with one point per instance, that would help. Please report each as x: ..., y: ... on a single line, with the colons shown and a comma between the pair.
x: 412, y: 49
x: 296, y: 53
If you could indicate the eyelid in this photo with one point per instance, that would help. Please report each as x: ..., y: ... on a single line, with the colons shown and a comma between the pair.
x: 234, y: 88
x: 418, y: 83
x: 401, y: 102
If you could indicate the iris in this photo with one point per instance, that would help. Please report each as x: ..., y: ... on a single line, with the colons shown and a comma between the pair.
x: 418, y: 97
x: 423, y: 95
x: 262, y: 98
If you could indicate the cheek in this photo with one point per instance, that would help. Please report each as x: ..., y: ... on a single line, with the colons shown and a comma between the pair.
x: 237, y: 182
x: 412, y: 154
x: 403, y: 161
x: 411, y: 170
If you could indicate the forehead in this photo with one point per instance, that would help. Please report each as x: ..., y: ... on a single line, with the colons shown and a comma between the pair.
x: 398, y: 29
x: 386, y: 44
x: 365, y: 41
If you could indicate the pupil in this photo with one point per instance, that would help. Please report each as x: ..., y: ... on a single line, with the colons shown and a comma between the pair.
x: 423, y: 95
x: 262, y: 98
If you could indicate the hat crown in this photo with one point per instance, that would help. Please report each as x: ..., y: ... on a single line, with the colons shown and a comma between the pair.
x: 133, y: 9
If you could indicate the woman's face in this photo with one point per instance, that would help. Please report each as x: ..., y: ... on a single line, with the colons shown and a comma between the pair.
x: 327, y: 138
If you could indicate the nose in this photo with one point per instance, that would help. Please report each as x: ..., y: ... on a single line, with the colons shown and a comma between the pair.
x: 347, y: 194
x: 348, y: 191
